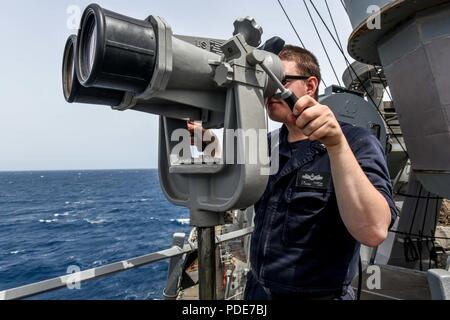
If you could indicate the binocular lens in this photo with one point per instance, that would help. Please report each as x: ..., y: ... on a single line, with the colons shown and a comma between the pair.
x: 68, y: 71
x: 88, y: 45
x: 115, y: 51
x: 92, y: 42
x: 74, y: 91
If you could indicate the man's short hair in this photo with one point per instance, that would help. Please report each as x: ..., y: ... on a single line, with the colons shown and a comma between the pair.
x: 307, y: 63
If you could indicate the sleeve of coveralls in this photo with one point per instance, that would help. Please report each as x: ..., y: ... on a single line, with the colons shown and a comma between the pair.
x: 370, y: 156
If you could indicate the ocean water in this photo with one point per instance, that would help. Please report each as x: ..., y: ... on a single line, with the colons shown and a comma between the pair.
x: 50, y: 221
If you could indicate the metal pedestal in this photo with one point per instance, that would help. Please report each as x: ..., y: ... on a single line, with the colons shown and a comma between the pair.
x: 206, y: 263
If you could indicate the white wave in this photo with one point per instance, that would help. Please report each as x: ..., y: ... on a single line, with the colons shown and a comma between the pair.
x: 99, y: 221
x: 98, y: 263
x: 182, y: 221
x: 48, y: 221
x: 65, y: 214
x: 82, y: 202
x: 17, y: 252
x: 149, y: 294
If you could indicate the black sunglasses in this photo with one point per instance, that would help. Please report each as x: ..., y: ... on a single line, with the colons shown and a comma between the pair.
x: 289, y: 78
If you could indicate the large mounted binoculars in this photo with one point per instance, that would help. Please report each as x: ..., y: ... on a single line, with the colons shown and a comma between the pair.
x: 141, y: 65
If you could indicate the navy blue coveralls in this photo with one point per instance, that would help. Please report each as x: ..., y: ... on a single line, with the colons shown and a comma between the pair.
x: 300, y: 247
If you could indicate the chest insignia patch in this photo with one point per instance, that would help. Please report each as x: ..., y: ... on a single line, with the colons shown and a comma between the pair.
x: 314, y: 180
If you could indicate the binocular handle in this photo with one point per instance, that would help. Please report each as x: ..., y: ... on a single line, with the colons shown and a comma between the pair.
x: 291, y: 100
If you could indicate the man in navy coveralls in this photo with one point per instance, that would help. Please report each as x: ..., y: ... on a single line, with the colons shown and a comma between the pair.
x: 331, y: 194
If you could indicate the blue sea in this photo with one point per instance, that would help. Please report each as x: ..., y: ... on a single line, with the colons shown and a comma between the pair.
x: 50, y: 221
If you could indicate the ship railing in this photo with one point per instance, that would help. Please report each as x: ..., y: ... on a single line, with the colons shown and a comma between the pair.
x: 175, y: 253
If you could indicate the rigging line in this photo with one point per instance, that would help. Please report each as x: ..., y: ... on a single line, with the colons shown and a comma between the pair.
x: 415, y: 196
x: 321, y: 41
x: 418, y: 236
x: 432, y: 251
x: 337, y: 36
x: 292, y: 25
x: 415, y: 210
x: 295, y: 30
x: 360, y: 81
x: 413, y: 253
x: 437, y: 213
x: 343, y: 5
x: 422, y: 231
x: 358, y: 78
x: 425, y: 215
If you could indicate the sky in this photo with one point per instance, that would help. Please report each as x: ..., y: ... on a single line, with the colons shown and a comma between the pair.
x: 40, y: 131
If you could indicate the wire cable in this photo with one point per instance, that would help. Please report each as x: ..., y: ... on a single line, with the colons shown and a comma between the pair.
x: 343, y: 5
x: 321, y: 41
x: 415, y: 211
x: 337, y: 36
x: 358, y: 78
x: 292, y: 25
x: 411, y: 251
x: 426, y: 210
x: 295, y: 30
x: 417, y: 236
x: 416, y: 196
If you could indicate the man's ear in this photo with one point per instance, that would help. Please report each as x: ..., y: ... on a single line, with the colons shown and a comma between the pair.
x: 312, y: 86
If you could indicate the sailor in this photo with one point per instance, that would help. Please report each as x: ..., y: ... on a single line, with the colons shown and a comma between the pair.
x: 331, y: 194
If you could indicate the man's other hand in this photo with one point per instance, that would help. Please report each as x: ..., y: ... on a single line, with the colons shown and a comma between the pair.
x: 195, y: 128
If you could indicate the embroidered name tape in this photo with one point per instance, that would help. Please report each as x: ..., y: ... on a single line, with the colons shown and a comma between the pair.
x: 314, y: 180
